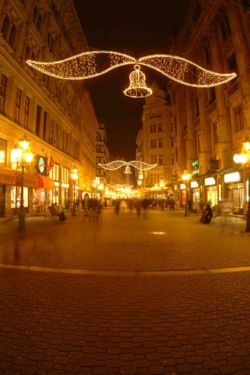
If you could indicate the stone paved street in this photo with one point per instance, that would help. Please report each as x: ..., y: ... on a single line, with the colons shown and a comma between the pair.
x: 157, y: 296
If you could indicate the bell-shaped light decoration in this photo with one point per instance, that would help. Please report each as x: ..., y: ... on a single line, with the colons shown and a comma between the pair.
x: 127, y: 170
x: 137, y: 84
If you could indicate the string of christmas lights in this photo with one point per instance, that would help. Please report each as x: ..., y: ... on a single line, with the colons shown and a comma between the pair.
x: 116, y: 164
x: 92, y: 64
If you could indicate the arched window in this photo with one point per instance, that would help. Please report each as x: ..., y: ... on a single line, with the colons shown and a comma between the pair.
x: 12, y: 36
x: 5, y: 26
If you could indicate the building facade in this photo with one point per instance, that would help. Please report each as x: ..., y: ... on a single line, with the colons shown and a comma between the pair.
x: 56, y: 116
x: 102, y: 152
x: 211, y: 124
x: 153, y: 144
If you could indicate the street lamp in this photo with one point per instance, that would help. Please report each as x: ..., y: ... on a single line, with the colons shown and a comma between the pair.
x: 74, y: 177
x: 244, y: 159
x: 186, y: 178
x: 23, y: 157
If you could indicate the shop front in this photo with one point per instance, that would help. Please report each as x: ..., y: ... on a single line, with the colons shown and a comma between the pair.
x: 7, y: 179
x: 183, y: 194
x: 211, y: 191
x: 234, y: 191
x: 195, y: 195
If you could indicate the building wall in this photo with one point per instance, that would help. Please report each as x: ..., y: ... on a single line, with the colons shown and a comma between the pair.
x: 102, y: 152
x: 57, y: 116
x: 154, y: 139
x: 213, y: 123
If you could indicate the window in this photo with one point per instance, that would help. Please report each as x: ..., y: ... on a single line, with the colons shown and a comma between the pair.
x: 26, y: 112
x: 215, y: 134
x: 5, y: 26
x: 12, y: 36
x: 37, y: 18
x: 45, y: 118
x: 27, y: 52
x: 153, y: 159
x: 50, y: 42
x: 152, y: 128
x: 160, y: 143
x: 196, y: 107
x: 3, y: 148
x: 207, y: 53
x: 159, y: 128
x: 154, y: 115
x: 160, y: 159
x: 98, y: 137
x: 238, y: 118
x: 18, y: 105
x: 225, y: 27
x: 153, y: 143
x: 232, y: 62
x: 55, y: 173
x: 211, y: 95
x: 3, y: 86
x: 38, y: 119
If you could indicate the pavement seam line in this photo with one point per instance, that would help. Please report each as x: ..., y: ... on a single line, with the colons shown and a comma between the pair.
x: 125, y: 273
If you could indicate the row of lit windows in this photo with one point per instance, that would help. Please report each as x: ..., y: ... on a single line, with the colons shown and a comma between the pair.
x: 45, y: 127
x: 154, y: 143
x: 154, y: 128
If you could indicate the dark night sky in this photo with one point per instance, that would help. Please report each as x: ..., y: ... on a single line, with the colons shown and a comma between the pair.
x: 135, y: 28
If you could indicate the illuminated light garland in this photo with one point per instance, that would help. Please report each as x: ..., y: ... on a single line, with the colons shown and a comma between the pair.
x: 94, y: 63
x: 137, y: 86
x: 116, y: 164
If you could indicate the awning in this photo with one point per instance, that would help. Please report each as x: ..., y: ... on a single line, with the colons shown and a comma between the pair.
x: 7, y: 177
x: 29, y: 180
x: 45, y: 182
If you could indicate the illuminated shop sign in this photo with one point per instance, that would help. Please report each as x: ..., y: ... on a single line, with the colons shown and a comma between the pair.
x: 41, y: 164
x: 194, y: 184
x: 232, y: 177
x: 195, y: 165
x: 182, y: 186
x: 210, y: 181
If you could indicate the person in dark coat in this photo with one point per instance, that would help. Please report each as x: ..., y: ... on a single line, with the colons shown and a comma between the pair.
x: 206, y: 215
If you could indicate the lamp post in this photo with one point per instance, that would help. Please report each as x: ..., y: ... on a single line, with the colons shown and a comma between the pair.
x: 22, y: 157
x: 244, y: 159
x: 74, y: 177
x: 186, y: 178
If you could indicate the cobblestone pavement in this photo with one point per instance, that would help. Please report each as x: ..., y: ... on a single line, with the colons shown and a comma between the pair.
x: 126, y: 323
x: 163, y: 241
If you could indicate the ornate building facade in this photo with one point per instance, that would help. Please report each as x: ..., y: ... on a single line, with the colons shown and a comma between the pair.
x: 56, y: 116
x: 211, y: 124
x: 102, y: 152
x: 153, y: 144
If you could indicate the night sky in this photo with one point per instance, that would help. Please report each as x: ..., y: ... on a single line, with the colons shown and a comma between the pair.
x: 135, y: 28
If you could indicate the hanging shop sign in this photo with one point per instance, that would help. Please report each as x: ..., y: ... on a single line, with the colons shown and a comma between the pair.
x: 232, y: 177
x: 41, y: 165
x: 209, y: 181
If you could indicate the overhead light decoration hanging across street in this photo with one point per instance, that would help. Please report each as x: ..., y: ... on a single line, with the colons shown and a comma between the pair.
x: 92, y: 64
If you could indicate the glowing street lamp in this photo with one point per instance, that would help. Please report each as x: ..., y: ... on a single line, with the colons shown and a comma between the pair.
x: 244, y: 159
x: 22, y: 157
x: 74, y: 177
x: 186, y: 178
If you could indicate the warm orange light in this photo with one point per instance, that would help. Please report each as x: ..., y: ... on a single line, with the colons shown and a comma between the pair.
x: 186, y: 177
x: 240, y: 158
